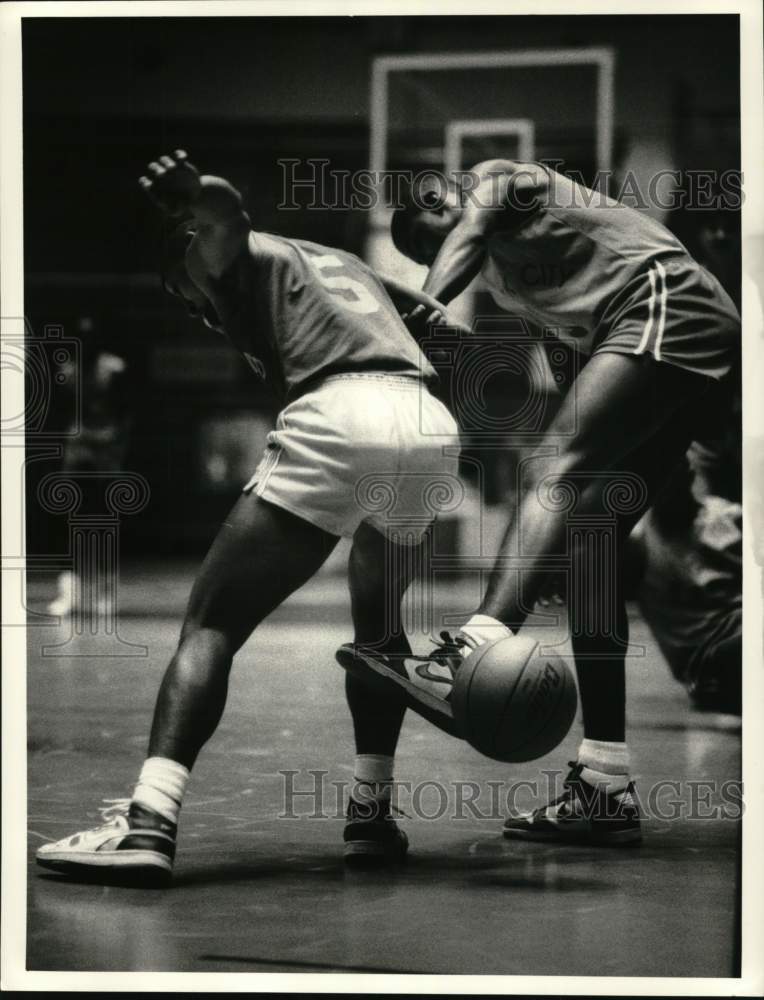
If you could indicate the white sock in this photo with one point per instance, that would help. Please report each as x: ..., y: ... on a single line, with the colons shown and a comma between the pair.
x: 372, y: 777
x: 606, y: 764
x: 161, y: 786
x: 482, y: 629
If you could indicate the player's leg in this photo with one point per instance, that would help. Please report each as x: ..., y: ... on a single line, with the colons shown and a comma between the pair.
x: 599, y: 633
x: 380, y: 572
x: 629, y: 414
x: 260, y: 556
x: 598, y: 804
x: 599, y: 625
x: 617, y: 403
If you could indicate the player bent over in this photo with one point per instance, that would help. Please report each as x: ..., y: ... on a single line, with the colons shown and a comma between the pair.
x: 658, y: 331
x: 320, y: 324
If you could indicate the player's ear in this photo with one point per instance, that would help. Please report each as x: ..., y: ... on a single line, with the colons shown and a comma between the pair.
x: 431, y: 199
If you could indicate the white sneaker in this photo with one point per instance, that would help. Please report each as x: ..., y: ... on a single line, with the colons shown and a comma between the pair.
x: 133, y: 841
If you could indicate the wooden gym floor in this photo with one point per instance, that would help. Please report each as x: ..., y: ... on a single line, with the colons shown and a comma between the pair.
x: 257, y: 893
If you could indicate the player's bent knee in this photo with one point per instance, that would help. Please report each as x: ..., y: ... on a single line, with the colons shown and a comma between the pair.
x: 204, y: 645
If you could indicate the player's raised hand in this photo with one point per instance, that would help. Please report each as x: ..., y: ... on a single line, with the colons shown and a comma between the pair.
x: 172, y: 182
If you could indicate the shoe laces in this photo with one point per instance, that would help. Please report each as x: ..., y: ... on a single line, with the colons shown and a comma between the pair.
x: 447, y: 653
x: 113, y: 809
x: 563, y: 802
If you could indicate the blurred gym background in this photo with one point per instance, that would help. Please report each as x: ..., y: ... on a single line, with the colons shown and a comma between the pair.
x: 103, y: 96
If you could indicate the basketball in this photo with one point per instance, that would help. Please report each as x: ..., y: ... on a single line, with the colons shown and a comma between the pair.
x: 512, y: 702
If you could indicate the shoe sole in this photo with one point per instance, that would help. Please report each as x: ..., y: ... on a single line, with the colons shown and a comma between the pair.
x: 370, y: 854
x: 384, y: 680
x: 624, y: 838
x: 143, y: 866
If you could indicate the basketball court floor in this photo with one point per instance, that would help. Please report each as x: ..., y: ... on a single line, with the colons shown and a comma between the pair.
x: 256, y: 892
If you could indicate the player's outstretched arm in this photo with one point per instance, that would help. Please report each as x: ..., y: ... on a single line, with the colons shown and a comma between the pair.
x: 459, y: 260
x: 490, y: 201
x: 175, y: 185
x: 418, y: 310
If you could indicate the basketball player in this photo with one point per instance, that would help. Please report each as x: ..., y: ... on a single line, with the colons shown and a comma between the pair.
x: 657, y: 331
x: 321, y: 326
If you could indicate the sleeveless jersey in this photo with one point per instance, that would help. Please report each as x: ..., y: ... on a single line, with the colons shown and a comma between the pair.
x: 566, y: 261
x: 299, y: 311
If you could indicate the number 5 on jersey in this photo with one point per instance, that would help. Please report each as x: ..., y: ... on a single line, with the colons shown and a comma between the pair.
x: 359, y: 301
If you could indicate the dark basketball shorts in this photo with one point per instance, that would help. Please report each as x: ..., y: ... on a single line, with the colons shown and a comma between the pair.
x: 679, y: 313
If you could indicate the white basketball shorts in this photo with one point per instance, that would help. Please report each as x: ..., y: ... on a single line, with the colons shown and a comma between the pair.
x: 363, y: 447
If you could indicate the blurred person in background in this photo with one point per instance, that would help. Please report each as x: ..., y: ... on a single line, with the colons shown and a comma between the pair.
x: 100, y: 444
x: 687, y: 563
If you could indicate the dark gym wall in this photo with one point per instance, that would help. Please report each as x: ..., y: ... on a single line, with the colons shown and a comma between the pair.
x: 101, y: 96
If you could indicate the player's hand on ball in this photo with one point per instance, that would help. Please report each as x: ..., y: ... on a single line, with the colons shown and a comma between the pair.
x: 172, y: 183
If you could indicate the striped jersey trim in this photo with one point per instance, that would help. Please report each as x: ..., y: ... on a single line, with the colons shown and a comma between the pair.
x: 652, y: 335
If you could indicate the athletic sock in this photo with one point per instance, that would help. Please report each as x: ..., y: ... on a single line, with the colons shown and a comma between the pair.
x: 372, y: 777
x: 161, y: 786
x: 482, y: 629
x: 606, y: 764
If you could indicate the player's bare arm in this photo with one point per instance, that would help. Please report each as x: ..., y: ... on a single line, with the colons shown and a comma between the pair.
x: 493, y: 194
x: 418, y: 310
x: 175, y: 185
